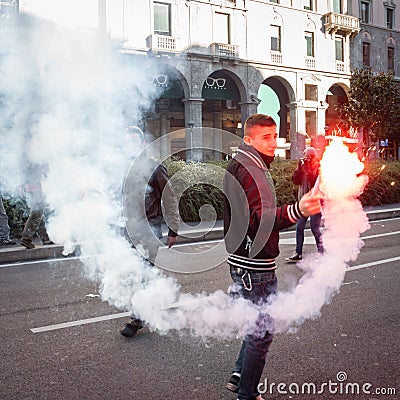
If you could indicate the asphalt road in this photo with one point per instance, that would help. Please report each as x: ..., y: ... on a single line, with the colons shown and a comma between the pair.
x: 357, y: 335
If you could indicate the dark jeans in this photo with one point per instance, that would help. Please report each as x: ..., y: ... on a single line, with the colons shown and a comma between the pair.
x: 315, y: 222
x: 257, y: 287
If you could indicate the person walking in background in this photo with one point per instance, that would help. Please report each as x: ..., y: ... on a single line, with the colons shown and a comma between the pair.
x: 146, y: 190
x: 251, y: 233
x: 305, y: 176
x: 4, y: 227
x: 35, y: 198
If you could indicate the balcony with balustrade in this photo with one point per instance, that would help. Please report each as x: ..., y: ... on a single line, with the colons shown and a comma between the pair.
x: 345, y: 24
x: 276, y: 57
x: 224, y: 50
x: 161, y: 43
x: 310, y: 62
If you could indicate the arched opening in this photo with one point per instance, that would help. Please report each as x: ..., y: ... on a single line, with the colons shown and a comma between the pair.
x: 334, y: 97
x: 274, y: 98
x: 168, y: 114
x: 221, y: 102
x: 221, y: 110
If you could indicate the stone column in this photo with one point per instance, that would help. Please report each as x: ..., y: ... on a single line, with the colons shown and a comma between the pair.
x: 321, y: 124
x: 164, y: 128
x: 248, y: 108
x: 102, y: 18
x: 193, y: 123
x: 217, y: 137
x: 164, y: 142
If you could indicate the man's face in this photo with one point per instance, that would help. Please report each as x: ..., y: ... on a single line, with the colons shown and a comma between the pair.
x: 263, y: 139
x: 310, y: 162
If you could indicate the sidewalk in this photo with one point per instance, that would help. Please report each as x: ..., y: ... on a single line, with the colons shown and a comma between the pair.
x: 188, y: 233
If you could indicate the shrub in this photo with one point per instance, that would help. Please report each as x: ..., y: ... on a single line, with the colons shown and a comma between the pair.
x: 17, y: 212
x: 384, y: 183
x: 200, y: 185
x: 286, y: 190
x: 383, y: 186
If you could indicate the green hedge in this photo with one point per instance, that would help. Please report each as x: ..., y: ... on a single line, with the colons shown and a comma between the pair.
x: 17, y: 212
x: 206, y: 189
x: 384, y: 183
x: 383, y: 188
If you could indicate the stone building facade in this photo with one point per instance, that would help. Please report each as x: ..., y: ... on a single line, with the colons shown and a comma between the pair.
x: 218, y: 61
x: 377, y: 46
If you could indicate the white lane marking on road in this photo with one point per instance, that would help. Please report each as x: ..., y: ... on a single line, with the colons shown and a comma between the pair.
x: 379, y: 211
x: 127, y: 314
x: 307, y: 240
x: 311, y: 240
x: 380, y: 235
x: 48, y: 260
x: 80, y: 322
x: 292, y: 240
x: 195, y: 243
x: 373, y: 263
x: 383, y: 220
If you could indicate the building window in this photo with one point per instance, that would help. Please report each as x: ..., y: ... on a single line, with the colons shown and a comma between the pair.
x: 390, y: 58
x: 308, y: 5
x: 365, y: 12
x: 274, y: 1
x: 337, y: 6
x: 221, y: 28
x: 311, y: 92
x: 309, y: 36
x: 162, y: 19
x: 275, y: 38
x: 366, y: 54
x: 389, y: 18
x: 339, y: 54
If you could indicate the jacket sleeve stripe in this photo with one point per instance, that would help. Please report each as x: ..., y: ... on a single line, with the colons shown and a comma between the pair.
x: 294, y: 213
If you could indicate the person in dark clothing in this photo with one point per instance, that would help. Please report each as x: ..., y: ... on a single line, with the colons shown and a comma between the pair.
x: 305, y: 176
x: 146, y: 191
x: 251, y: 225
x: 36, y: 201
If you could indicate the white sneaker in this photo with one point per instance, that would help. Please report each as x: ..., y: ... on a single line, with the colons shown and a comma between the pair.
x: 294, y: 258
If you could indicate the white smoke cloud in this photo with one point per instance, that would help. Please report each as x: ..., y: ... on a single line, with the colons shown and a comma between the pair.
x: 69, y: 108
x: 65, y: 105
x: 344, y: 221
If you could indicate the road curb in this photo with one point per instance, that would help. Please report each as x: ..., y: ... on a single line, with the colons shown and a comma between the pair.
x: 21, y: 254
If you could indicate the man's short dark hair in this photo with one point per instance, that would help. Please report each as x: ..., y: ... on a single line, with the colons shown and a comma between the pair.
x: 257, y: 120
